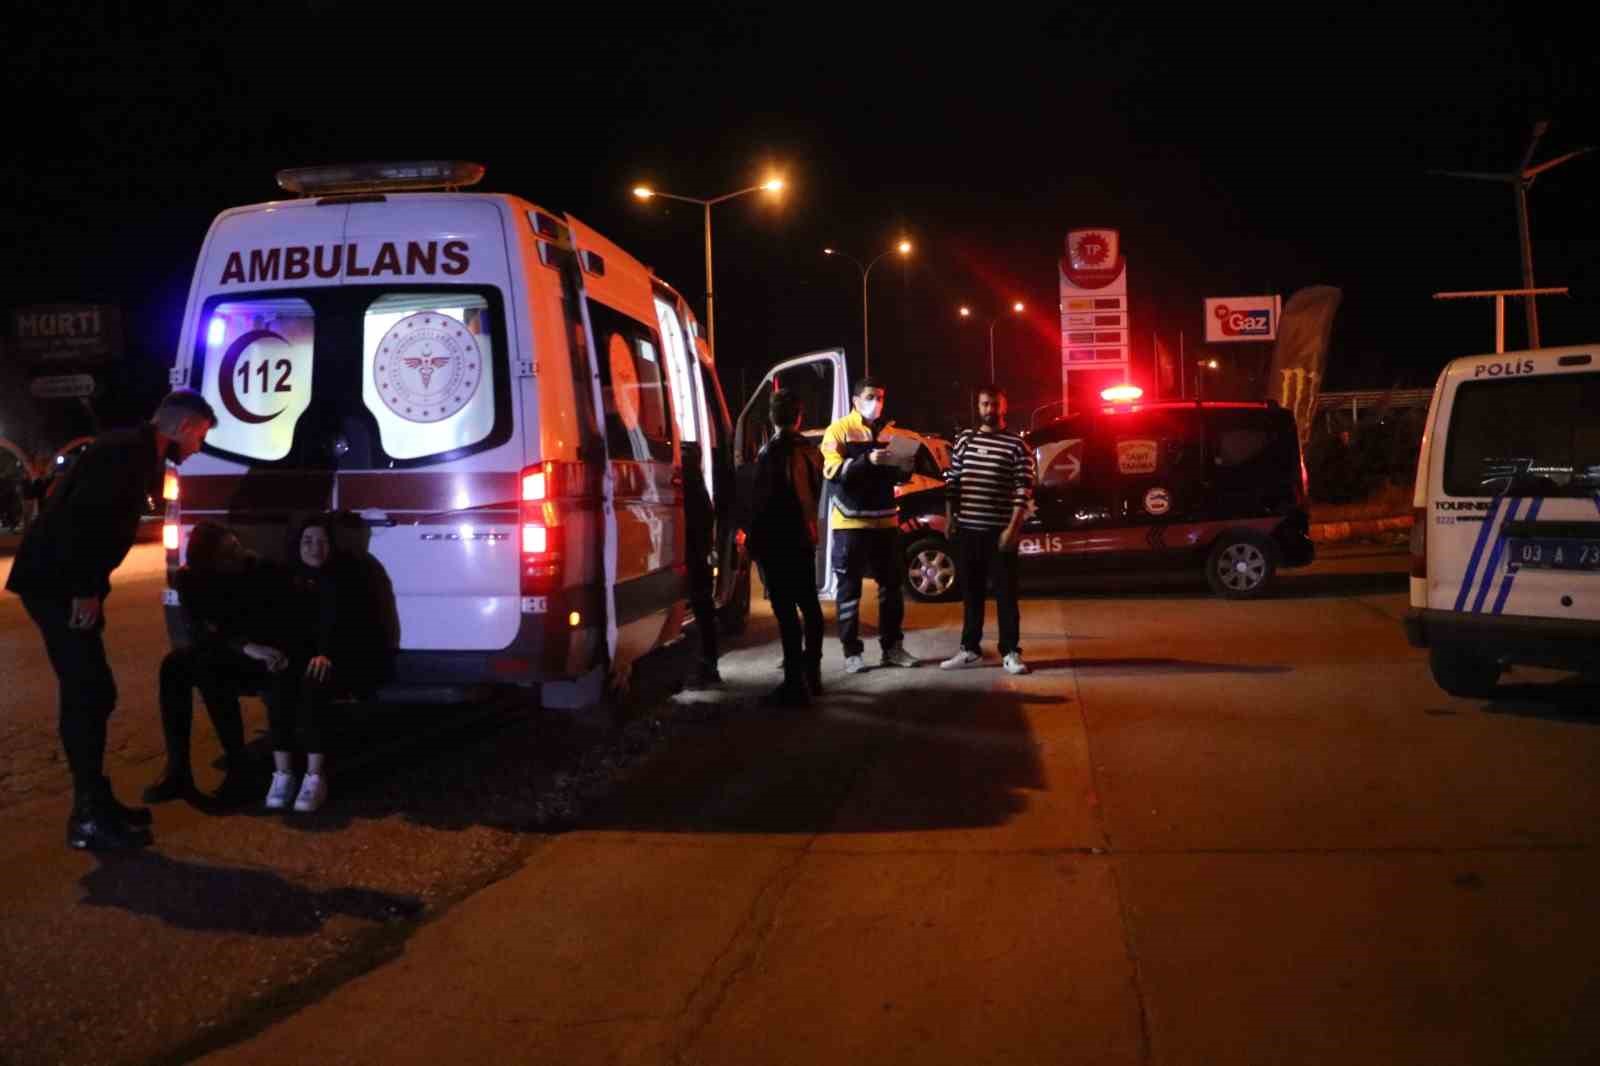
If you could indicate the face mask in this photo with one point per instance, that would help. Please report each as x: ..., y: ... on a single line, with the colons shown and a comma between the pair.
x: 870, y: 409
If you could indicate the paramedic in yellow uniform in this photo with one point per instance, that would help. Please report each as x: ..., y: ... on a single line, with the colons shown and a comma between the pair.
x: 865, y: 523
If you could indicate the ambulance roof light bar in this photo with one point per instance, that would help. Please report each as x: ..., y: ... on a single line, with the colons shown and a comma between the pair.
x: 415, y: 176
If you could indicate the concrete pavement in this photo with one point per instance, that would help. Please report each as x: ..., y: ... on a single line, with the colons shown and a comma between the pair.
x: 1202, y: 832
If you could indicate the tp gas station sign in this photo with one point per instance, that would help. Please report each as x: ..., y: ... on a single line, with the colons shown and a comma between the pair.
x: 1094, y: 304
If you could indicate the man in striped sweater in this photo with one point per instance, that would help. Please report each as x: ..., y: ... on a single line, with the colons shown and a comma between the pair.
x: 989, y: 484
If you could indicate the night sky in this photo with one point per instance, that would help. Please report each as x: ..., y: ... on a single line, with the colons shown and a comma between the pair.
x: 1238, y: 152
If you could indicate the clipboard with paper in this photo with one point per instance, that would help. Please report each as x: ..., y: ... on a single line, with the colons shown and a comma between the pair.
x: 902, y: 451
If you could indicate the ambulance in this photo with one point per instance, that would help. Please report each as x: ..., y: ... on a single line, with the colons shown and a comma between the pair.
x: 1505, y: 546
x: 507, y: 409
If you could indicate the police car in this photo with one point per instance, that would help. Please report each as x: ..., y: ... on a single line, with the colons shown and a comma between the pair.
x: 513, y: 406
x: 1505, y: 545
x: 1215, y: 487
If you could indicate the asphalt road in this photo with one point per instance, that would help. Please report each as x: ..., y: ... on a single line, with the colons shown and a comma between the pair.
x: 1200, y: 832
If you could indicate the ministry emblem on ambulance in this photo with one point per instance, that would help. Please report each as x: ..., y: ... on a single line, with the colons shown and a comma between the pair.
x: 428, y: 367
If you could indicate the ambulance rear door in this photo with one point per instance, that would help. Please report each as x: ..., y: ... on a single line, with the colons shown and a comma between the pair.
x: 821, y: 381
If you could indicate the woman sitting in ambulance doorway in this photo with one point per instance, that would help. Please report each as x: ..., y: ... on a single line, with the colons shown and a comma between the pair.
x: 342, y: 653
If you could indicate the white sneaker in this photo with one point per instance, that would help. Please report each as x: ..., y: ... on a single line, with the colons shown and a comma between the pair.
x: 1014, y: 665
x: 854, y: 664
x: 280, y: 792
x: 961, y: 660
x: 313, y: 790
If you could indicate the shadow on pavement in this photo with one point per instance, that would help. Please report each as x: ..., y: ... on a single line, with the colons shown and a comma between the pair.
x: 229, y: 899
x: 860, y: 762
x: 1572, y: 699
x: 1189, y: 584
x: 1156, y: 666
x: 1311, y: 586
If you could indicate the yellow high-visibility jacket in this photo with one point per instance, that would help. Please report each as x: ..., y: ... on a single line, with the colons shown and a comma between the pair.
x: 863, y: 494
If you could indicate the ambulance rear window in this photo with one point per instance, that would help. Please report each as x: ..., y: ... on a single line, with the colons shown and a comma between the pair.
x: 355, y: 377
x: 428, y: 370
x: 633, y: 387
x: 1535, y: 436
x: 256, y: 372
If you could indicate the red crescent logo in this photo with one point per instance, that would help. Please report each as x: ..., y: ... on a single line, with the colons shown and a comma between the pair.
x: 230, y: 359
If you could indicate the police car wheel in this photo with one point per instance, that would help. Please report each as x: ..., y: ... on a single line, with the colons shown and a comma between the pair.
x: 1462, y: 672
x: 1241, y: 565
x: 930, y: 570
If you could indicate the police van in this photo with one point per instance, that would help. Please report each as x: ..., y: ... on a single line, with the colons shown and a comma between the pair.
x: 1505, y: 545
x: 512, y: 408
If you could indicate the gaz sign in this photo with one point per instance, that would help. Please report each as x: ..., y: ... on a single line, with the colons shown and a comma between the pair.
x: 1242, y: 318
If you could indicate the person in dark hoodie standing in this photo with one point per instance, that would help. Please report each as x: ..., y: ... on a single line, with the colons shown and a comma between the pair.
x: 62, y: 571
x: 783, y: 539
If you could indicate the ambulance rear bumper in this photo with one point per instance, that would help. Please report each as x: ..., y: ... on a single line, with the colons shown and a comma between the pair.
x: 1561, y: 643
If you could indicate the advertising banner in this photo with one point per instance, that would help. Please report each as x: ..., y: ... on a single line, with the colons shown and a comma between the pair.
x: 1299, y: 359
x: 64, y: 333
x: 1242, y: 318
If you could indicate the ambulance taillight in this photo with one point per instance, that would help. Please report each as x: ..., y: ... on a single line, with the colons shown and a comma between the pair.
x: 540, y: 536
x: 171, y: 522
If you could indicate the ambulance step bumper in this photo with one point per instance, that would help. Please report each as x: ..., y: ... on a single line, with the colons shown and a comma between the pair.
x: 1555, y: 642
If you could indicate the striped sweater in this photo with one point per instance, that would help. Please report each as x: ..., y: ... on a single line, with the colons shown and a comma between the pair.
x: 990, y: 475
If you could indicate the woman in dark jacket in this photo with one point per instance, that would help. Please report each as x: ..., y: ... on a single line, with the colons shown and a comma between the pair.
x: 339, y: 653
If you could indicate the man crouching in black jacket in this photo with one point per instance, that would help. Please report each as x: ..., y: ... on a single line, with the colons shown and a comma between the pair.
x: 240, y: 623
x: 62, y: 571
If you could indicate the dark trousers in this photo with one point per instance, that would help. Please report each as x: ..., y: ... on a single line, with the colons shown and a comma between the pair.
x: 219, y: 674
x: 792, y: 587
x: 298, y: 705
x: 858, y: 553
x: 702, y: 597
x: 88, y: 693
x: 983, y: 563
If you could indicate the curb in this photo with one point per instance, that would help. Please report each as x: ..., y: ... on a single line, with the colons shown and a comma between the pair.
x: 1334, y: 532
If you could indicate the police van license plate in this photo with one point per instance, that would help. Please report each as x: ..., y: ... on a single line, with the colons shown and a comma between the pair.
x: 1547, y: 554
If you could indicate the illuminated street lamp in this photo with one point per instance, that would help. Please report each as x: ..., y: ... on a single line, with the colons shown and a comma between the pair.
x: 773, y: 185
x: 1017, y: 308
x: 1199, y: 379
x: 903, y: 249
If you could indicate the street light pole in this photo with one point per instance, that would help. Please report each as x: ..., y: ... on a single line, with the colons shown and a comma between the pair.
x: 711, y: 314
x: 904, y: 249
x: 645, y: 192
x: 966, y: 312
x: 866, y: 334
x: 992, y: 321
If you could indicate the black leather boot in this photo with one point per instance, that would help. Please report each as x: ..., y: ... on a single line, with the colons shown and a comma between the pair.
x: 237, y: 788
x: 91, y: 827
x: 814, y: 677
x: 175, y: 782
x: 137, y: 817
